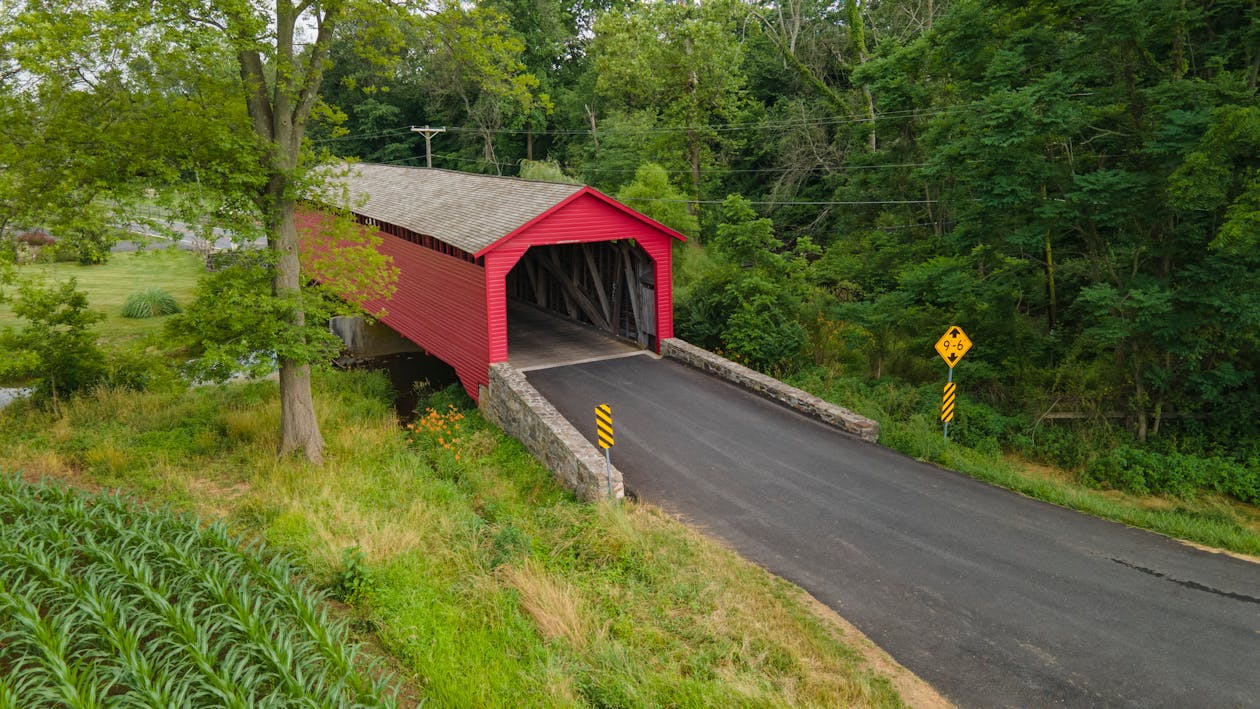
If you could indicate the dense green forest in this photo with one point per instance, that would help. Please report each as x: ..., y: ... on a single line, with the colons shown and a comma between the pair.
x: 1074, y: 182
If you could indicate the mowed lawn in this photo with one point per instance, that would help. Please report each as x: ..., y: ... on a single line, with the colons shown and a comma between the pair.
x: 108, y: 285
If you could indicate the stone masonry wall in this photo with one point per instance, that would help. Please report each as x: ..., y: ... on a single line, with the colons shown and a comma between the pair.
x: 772, y: 388
x: 514, y: 405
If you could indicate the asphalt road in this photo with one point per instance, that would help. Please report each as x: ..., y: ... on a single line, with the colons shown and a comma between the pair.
x: 993, y: 598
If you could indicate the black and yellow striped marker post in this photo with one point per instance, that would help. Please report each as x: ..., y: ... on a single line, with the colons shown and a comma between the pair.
x: 604, y: 434
x: 952, y: 347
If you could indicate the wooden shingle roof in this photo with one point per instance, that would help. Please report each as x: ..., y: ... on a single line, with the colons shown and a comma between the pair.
x: 467, y: 211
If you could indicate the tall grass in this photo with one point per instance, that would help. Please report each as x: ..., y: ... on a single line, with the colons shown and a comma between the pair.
x: 100, y: 598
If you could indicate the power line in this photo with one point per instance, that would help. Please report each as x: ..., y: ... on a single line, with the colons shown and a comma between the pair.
x: 363, y: 136
x: 790, y: 123
x: 778, y: 203
x: 801, y: 123
x: 820, y: 168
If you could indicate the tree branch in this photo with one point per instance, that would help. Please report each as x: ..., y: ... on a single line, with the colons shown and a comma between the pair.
x: 206, y: 21
x: 315, y: 65
x: 254, y: 83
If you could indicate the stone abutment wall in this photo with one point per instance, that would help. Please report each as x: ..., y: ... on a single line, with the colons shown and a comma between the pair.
x: 515, y: 406
x: 771, y: 388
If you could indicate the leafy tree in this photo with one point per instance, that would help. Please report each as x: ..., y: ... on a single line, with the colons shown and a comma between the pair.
x: 545, y: 170
x: 748, y: 302
x: 1094, y: 150
x: 474, y: 61
x: 681, y: 64
x: 652, y: 194
x: 55, y: 350
x: 87, y: 234
x: 247, y: 76
x: 1221, y: 175
x: 250, y: 337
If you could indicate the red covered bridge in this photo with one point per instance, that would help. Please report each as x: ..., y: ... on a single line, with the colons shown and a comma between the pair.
x: 468, y: 245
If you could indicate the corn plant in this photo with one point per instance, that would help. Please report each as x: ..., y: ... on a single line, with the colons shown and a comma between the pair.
x: 106, y: 603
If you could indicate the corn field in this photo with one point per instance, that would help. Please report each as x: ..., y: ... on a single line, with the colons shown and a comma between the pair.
x: 106, y: 604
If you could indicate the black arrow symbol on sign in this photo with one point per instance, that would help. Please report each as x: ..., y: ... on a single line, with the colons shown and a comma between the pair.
x: 954, y: 333
x: 952, y: 357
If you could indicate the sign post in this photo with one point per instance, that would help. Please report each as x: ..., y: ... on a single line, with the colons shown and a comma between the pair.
x: 952, y: 346
x: 604, y: 433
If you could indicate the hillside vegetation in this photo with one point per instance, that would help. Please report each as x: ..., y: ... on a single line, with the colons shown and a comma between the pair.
x: 461, y: 556
x: 1072, y: 183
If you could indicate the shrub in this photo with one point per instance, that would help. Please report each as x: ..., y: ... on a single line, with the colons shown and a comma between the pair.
x: 90, y: 243
x: 150, y: 303
x: 245, y: 257
x: 1059, y: 445
x: 37, y: 238
x: 140, y: 369
x: 56, y: 350
x: 982, y: 427
x: 1147, y: 472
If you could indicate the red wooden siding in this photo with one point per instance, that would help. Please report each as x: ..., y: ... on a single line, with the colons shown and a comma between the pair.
x: 439, y: 304
x: 587, y: 217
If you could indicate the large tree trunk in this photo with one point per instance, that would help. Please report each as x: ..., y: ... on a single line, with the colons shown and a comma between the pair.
x: 279, y: 103
x: 299, y: 429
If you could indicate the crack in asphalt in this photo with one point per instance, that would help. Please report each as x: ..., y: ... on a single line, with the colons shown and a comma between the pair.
x: 1189, y: 584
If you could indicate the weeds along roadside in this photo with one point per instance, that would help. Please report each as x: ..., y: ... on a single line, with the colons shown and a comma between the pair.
x: 990, y: 447
x: 459, y: 553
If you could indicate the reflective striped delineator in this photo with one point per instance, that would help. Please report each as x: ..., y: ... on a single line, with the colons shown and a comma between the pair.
x: 947, y: 403
x: 603, y: 425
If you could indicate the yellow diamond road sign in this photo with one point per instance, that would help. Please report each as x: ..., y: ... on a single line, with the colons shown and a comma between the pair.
x: 953, y: 345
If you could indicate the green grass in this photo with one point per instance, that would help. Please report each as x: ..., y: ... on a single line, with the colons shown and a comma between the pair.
x: 109, y: 285
x: 103, y: 601
x: 1208, y: 519
x: 462, y: 556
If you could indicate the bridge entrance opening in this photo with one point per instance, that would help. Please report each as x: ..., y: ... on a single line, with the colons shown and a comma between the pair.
x: 609, y: 286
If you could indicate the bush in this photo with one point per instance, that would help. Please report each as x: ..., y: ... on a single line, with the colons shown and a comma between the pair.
x: 245, y: 257
x: 982, y: 427
x: 1146, y: 472
x: 149, y: 303
x: 140, y: 369
x: 1060, y: 445
x: 37, y: 238
x: 56, y: 350
x: 91, y: 244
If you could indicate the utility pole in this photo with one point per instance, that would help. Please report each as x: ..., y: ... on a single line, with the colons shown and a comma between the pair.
x: 428, y: 134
